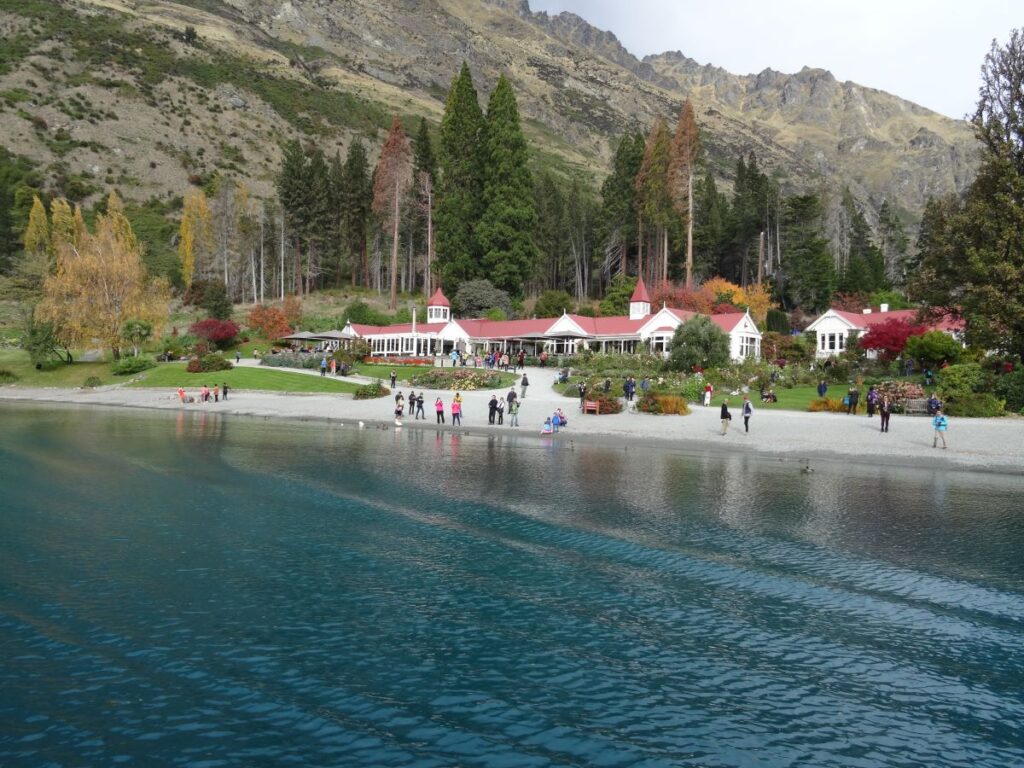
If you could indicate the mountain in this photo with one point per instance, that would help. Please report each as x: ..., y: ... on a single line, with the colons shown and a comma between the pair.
x: 106, y: 93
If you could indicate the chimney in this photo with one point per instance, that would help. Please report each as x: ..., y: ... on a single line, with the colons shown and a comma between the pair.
x: 884, y: 308
x: 866, y: 311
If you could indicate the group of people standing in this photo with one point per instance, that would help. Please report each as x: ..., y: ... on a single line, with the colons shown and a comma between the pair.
x: 205, y: 394
x: 496, y: 409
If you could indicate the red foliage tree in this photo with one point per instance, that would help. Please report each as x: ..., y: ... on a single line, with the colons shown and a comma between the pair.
x: 890, y: 337
x: 219, y: 332
x: 269, y: 322
x: 851, y: 302
x: 724, y: 308
x: 680, y: 297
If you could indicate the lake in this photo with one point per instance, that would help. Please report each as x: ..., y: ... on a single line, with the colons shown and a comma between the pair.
x: 190, y: 589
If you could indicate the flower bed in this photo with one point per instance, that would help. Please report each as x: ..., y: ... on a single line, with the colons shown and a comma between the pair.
x: 899, y: 393
x: 398, y: 360
x: 458, y: 379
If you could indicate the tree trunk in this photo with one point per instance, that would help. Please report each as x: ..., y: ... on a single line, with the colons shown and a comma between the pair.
x: 689, y: 229
x: 430, y: 241
x: 639, y: 247
x: 393, y: 298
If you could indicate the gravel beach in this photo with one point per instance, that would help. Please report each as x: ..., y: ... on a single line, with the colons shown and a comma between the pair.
x: 984, y: 445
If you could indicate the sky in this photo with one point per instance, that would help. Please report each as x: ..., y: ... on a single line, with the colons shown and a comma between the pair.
x: 927, y: 51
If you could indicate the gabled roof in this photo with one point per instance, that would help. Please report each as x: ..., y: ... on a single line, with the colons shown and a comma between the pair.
x: 482, y: 328
x: 438, y: 300
x: 863, y: 321
x: 616, y: 325
x: 728, y: 321
x: 640, y: 292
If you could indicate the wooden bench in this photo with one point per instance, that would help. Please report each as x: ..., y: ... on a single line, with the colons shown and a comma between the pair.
x: 917, y: 406
x: 590, y: 406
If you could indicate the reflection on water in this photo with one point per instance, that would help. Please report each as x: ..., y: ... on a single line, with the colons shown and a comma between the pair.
x: 201, y: 589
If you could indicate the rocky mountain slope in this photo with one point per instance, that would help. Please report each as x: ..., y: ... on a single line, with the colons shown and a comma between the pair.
x: 108, y: 92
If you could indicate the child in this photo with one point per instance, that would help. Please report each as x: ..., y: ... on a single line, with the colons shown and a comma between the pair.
x: 941, y: 424
x: 546, y: 429
x: 556, y: 421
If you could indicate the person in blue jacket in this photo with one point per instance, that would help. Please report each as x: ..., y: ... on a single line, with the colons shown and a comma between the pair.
x: 941, y: 424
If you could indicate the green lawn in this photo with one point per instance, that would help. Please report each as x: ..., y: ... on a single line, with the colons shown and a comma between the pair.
x: 383, y: 372
x: 55, y: 374
x: 173, y: 375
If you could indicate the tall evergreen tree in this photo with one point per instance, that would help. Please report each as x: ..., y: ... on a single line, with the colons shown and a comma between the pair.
x: 356, y: 198
x: 682, y: 171
x: 652, y: 184
x: 423, y: 193
x: 335, y: 249
x: 808, y: 276
x: 894, y: 244
x: 294, y: 193
x: 461, y: 183
x: 505, y: 230
x: 391, y: 182
x: 712, y: 234
x: 619, y: 205
x: 864, y: 268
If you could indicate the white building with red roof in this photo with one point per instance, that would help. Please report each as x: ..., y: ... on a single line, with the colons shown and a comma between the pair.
x: 640, y: 330
x: 837, y: 329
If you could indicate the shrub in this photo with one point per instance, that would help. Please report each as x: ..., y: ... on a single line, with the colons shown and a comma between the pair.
x: 657, y: 403
x: 208, y: 363
x: 1011, y: 388
x: 92, y: 382
x: 293, y: 309
x: 966, y: 391
x: 778, y: 322
x: 218, y: 332
x: 698, y: 342
x: 606, y: 403
x: 475, y: 297
x: 932, y: 348
x: 553, y: 303
x: 291, y: 360
x: 827, y: 404
x: 270, y: 322
x: 371, y: 391
x: 456, y: 379
x: 7, y: 377
x: 126, y: 366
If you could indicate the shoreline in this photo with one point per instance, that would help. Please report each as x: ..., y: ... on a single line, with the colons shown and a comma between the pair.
x: 989, y: 446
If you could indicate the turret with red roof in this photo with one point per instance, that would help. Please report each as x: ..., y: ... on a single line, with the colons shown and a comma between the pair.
x: 439, y: 309
x: 639, y: 302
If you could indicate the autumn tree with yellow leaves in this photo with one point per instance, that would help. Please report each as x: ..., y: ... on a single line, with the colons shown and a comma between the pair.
x: 195, y: 235
x: 100, y: 284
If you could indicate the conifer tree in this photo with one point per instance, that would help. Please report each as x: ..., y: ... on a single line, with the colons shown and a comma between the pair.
x: 38, y: 258
x: 294, y: 193
x: 682, y: 169
x: 893, y: 242
x: 711, y: 228
x: 37, y: 234
x: 461, y: 183
x: 335, y: 247
x: 62, y: 223
x: 808, y: 273
x: 652, y: 184
x: 357, y: 196
x: 619, y: 206
x: 505, y: 230
x: 391, y: 181
x: 424, y: 185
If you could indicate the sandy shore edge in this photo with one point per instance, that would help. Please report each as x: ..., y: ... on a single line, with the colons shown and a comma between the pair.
x: 976, y: 445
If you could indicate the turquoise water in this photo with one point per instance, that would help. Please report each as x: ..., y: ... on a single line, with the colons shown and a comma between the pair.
x: 181, y: 590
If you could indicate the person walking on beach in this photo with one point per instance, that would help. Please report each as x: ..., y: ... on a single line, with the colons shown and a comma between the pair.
x: 941, y: 424
x: 181, y: 394
x: 492, y: 409
x: 748, y: 411
x: 216, y: 393
x: 501, y: 412
x: 510, y: 397
x: 412, y: 403
x: 457, y: 410
x: 513, y: 413
x: 439, y: 407
x: 885, y: 411
x: 523, y: 384
x: 726, y: 416
x: 419, y: 407
x: 398, y: 412
x: 394, y: 378
x: 224, y: 391
x: 399, y: 403
x: 852, y: 398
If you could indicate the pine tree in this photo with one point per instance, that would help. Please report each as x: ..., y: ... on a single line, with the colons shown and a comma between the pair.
x: 894, y: 243
x: 652, y: 184
x: 505, y: 230
x: 62, y: 223
x: 391, y: 182
x: 619, y: 203
x: 682, y: 169
x: 549, y: 234
x: 712, y: 232
x: 294, y: 193
x: 424, y: 185
x: 357, y: 196
x: 808, y: 276
x: 461, y: 183
x: 335, y: 250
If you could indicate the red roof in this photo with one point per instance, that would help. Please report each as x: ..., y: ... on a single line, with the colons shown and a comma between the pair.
x: 640, y: 292
x: 728, y: 321
x: 482, y: 328
x: 384, y: 330
x: 863, y: 321
x: 616, y: 325
x: 438, y: 300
